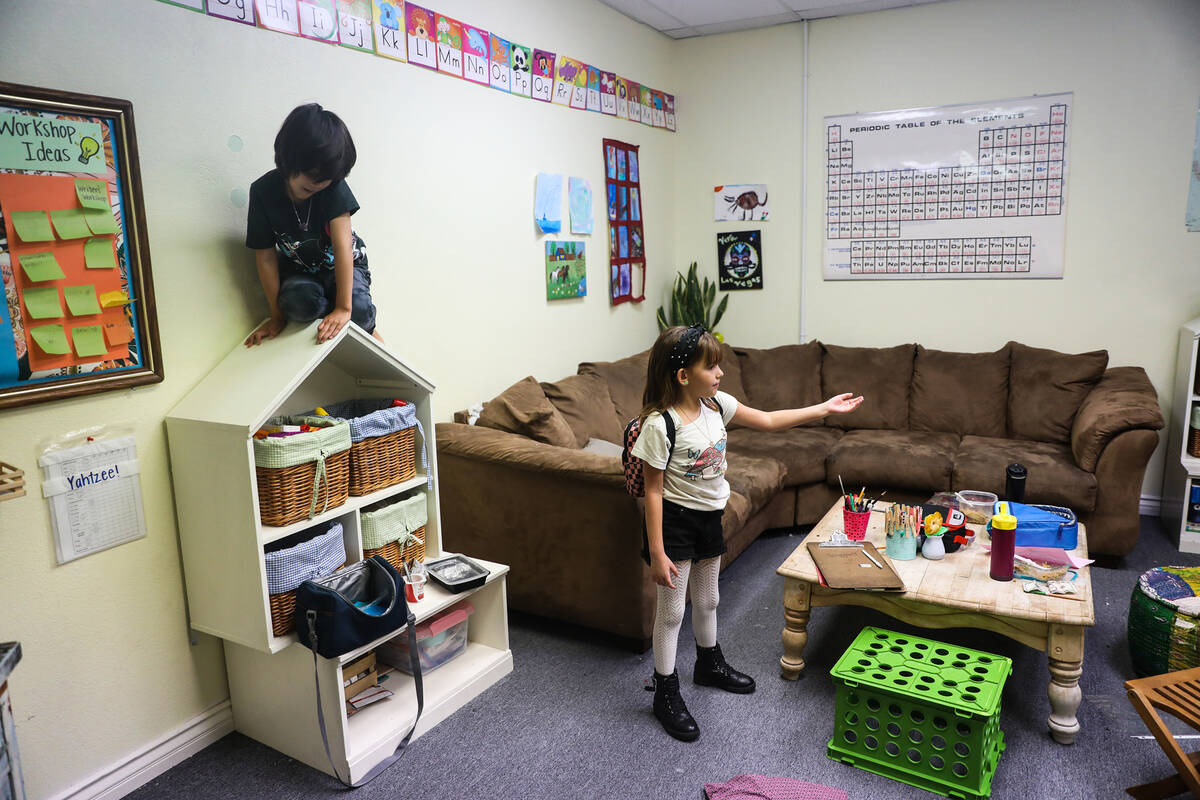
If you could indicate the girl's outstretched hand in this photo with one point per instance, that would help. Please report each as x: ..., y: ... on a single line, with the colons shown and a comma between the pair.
x: 662, y: 569
x: 842, y: 403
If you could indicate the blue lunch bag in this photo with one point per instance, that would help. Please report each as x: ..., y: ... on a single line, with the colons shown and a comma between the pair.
x: 1042, y: 525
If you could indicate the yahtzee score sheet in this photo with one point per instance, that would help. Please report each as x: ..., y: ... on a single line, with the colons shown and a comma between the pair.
x: 975, y: 190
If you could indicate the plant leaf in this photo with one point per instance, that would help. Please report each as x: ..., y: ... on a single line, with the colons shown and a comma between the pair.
x: 720, y: 311
x: 662, y: 320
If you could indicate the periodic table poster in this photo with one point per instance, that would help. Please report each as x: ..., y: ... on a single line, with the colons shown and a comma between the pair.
x: 975, y: 190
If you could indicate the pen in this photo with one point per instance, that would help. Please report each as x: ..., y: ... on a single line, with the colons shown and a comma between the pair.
x: 873, y: 561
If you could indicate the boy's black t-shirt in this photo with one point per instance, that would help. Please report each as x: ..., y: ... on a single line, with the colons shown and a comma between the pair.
x: 272, y: 220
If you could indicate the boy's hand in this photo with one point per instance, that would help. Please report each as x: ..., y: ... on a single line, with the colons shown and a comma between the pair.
x: 268, y: 330
x: 662, y: 568
x: 333, y: 323
x: 842, y: 403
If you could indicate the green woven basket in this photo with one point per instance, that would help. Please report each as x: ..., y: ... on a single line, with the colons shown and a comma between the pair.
x: 393, y: 522
x: 302, y: 475
x: 1164, y: 620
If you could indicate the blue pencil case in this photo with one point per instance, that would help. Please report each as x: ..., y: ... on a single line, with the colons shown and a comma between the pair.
x: 1042, y: 525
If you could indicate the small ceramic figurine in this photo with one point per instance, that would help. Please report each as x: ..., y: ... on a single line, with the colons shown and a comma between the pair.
x: 933, y: 548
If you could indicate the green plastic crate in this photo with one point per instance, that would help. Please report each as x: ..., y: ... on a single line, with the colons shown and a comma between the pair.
x: 920, y: 712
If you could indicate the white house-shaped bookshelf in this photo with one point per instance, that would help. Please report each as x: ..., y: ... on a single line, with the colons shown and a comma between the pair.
x: 210, y: 433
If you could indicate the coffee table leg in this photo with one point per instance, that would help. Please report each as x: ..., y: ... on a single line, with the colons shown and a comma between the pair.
x: 1065, y: 652
x: 796, y: 597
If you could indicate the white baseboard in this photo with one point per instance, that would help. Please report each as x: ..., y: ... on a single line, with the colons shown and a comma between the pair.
x: 156, y: 758
x: 1150, y: 505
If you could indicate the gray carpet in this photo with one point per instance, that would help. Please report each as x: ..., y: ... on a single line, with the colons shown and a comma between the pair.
x: 572, y: 720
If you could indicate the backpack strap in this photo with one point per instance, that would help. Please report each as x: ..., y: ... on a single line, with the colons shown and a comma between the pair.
x: 669, y: 421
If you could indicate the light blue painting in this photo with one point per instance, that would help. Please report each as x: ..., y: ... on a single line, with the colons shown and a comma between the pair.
x: 547, y: 204
x: 579, y: 198
x: 1193, y: 204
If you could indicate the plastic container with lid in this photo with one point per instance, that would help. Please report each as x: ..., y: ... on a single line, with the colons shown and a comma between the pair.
x: 977, y: 507
x: 1003, y: 529
x: 438, y: 640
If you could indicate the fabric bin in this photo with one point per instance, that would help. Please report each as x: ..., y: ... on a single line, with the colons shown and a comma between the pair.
x: 383, y: 436
x: 302, y: 475
x: 395, y: 529
x: 438, y: 640
x: 313, y: 553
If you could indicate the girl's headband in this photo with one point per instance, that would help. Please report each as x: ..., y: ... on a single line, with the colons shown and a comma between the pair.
x: 685, y: 347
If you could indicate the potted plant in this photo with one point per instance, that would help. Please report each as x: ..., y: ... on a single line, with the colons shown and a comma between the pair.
x: 691, y: 302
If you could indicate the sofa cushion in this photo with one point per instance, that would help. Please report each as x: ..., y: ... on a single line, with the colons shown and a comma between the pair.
x: 584, y: 403
x: 626, y: 381
x: 802, y: 451
x: 523, y: 409
x: 782, y: 377
x: 737, y: 512
x: 963, y: 393
x: 921, y: 460
x: 1046, y: 388
x: 1053, y: 477
x: 757, y: 478
x: 880, y: 374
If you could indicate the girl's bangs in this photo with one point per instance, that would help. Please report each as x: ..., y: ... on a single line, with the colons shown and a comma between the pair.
x: 708, y: 350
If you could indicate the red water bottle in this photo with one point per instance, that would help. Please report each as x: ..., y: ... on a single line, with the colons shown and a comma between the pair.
x: 1004, y: 540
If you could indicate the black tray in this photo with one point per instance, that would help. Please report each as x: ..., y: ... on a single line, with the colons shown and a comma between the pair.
x: 457, y: 573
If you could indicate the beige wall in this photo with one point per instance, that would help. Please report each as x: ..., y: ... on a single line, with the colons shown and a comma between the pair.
x: 445, y: 181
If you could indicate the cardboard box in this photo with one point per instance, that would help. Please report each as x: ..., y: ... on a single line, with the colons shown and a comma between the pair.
x: 359, y: 675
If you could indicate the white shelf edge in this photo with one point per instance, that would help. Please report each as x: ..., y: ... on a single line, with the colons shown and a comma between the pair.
x: 394, y: 716
x: 1191, y: 464
x: 270, y: 533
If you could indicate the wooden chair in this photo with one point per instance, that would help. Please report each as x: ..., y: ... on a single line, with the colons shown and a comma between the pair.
x: 1179, y: 694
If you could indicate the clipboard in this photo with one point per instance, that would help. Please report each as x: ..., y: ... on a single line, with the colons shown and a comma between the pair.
x: 841, y: 567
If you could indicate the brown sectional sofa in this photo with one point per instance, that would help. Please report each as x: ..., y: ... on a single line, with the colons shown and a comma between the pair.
x: 533, y: 485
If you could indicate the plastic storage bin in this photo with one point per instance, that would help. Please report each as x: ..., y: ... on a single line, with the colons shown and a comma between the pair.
x: 920, y: 712
x: 438, y: 640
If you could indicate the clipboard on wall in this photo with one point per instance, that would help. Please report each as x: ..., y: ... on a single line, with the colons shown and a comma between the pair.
x: 849, y: 568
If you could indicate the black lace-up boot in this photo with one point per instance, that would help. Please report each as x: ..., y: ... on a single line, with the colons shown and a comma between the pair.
x: 711, y: 670
x: 670, y: 709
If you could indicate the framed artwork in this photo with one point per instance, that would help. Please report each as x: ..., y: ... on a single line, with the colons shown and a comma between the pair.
x: 78, y: 315
x: 739, y: 260
x: 626, y: 238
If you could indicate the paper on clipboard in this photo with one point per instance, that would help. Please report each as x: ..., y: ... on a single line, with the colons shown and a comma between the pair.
x: 841, y: 567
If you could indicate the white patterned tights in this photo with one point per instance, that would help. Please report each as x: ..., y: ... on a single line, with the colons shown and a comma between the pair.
x: 668, y: 613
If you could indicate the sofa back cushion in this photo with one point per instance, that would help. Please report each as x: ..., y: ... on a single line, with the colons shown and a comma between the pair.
x: 733, y: 381
x: 523, y: 409
x: 782, y: 377
x: 1046, y: 388
x: 626, y: 380
x: 963, y: 393
x: 880, y: 374
x: 584, y: 403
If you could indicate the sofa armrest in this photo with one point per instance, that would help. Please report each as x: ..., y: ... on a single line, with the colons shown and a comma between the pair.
x: 1123, y: 400
x: 510, y: 449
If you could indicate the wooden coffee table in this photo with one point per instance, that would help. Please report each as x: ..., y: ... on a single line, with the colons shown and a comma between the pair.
x: 955, y: 592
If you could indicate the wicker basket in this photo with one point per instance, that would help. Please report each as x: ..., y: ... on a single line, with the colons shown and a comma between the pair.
x: 396, y: 529
x: 296, y: 559
x: 384, y: 452
x: 410, y: 548
x: 1194, y: 442
x: 304, y: 475
x: 382, y: 461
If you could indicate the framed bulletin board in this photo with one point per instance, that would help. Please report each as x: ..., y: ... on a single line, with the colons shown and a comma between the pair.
x: 78, y: 314
x: 626, y: 241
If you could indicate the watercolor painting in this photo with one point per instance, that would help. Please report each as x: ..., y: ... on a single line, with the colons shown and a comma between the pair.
x: 566, y: 270
x: 579, y: 199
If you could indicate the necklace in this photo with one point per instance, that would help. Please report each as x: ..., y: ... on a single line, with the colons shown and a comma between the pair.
x: 307, y: 216
x: 699, y: 418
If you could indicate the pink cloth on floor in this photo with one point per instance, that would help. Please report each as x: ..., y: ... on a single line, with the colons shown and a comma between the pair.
x: 761, y: 787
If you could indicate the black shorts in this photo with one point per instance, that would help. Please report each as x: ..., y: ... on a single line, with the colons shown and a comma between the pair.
x: 688, y: 534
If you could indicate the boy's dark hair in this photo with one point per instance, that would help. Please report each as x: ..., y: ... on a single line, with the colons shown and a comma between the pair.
x: 315, y: 142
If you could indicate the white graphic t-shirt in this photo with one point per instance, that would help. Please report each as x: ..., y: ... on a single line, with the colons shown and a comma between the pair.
x: 695, y: 478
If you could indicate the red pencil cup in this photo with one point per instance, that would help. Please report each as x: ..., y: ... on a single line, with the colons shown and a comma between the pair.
x: 855, y: 523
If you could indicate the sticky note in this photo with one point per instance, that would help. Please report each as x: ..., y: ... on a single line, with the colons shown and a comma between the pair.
x: 114, y: 298
x: 118, y: 333
x: 69, y: 223
x: 92, y: 194
x: 101, y: 221
x: 89, y: 340
x: 81, y: 300
x: 40, y: 266
x: 98, y: 253
x: 32, y: 226
x: 51, y: 338
x: 42, y: 303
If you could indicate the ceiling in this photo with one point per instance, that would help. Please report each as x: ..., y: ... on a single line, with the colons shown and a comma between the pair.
x: 681, y: 19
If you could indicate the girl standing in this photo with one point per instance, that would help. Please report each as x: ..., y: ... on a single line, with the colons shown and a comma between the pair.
x: 686, y: 493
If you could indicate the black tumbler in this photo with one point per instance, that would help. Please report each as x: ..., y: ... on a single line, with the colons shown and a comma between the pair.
x: 1014, y: 483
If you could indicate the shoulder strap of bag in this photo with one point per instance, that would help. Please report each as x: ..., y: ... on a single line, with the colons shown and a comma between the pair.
x: 670, y: 422
x: 414, y: 662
